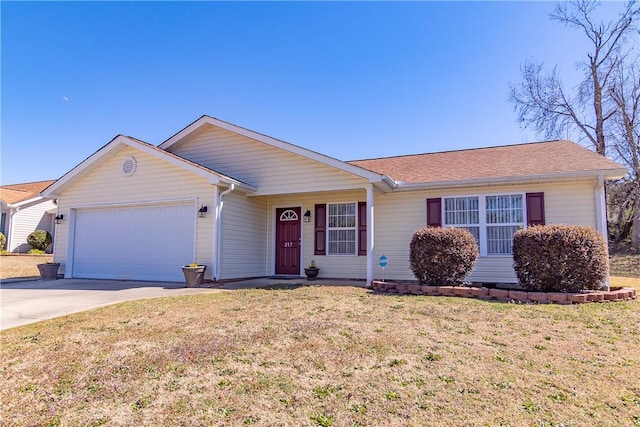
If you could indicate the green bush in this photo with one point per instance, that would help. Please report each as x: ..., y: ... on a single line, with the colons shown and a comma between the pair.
x: 36, y: 252
x: 442, y: 256
x: 39, y: 239
x: 3, y: 241
x: 560, y: 258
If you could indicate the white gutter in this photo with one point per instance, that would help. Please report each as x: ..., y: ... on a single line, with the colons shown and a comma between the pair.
x: 26, y: 202
x: 217, y: 226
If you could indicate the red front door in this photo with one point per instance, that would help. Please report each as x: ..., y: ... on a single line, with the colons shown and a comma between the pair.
x: 288, y: 241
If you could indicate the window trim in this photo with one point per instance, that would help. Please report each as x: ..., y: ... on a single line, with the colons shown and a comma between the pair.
x: 355, y: 229
x: 483, y: 243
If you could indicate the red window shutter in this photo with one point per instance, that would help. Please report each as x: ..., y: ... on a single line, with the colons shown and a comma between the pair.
x: 320, y: 234
x: 434, y: 212
x: 535, y: 209
x: 362, y: 228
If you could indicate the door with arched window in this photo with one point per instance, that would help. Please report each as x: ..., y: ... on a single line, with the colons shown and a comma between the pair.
x: 288, y: 241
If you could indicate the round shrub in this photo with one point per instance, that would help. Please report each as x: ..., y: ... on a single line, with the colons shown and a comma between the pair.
x: 3, y: 241
x: 39, y: 239
x: 560, y: 258
x: 442, y: 256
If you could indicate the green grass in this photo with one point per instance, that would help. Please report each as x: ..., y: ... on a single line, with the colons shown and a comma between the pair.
x: 323, y: 356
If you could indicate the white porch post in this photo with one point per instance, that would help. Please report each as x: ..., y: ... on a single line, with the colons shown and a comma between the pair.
x: 214, y: 237
x: 8, y: 229
x: 370, y: 227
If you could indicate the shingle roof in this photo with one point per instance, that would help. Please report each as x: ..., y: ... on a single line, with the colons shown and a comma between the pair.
x: 16, y: 193
x: 510, y: 161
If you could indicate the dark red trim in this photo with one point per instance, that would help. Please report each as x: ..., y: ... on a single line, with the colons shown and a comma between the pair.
x: 362, y: 228
x: 535, y: 209
x: 320, y: 231
x: 434, y: 212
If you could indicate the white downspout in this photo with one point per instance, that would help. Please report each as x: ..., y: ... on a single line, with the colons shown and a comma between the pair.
x: 601, y: 215
x: 370, y: 243
x: 218, y: 225
x: 55, y: 228
x: 214, y: 234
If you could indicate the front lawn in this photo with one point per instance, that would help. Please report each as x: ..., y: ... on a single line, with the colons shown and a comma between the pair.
x: 19, y: 266
x: 624, y: 260
x: 323, y: 356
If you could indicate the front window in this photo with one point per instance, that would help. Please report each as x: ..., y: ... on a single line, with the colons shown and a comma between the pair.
x: 491, y: 219
x: 341, y: 228
x: 463, y: 212
x: 508, y: 212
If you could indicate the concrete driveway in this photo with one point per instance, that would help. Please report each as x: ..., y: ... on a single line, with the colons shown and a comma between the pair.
x: 27, y: 302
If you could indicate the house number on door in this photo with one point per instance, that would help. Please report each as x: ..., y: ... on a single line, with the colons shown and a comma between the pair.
x: 288, y: 244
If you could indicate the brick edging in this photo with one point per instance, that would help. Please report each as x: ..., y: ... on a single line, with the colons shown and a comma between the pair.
x: 624, y: 294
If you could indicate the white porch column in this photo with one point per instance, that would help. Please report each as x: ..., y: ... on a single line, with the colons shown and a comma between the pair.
x: 214, y: 237
x: 370, y: 227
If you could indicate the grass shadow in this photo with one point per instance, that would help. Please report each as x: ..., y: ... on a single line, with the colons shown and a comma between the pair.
x: 284, y: 286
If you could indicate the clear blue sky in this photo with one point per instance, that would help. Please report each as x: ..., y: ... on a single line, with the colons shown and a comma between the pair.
x: 350, y: 80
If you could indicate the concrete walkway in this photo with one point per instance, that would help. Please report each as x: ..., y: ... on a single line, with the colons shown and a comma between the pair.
x: 28, y: 301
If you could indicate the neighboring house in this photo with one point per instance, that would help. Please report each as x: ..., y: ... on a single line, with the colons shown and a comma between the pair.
x: 23, y: 211
x: 248, y: 205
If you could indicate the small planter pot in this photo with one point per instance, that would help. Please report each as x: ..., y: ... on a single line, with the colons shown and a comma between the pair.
x: 49, y: 271
x: 311, y: 273
x: 194, y: 276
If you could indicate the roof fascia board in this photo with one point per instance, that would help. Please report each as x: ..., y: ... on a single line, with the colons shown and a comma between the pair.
x: 66, y: 178
x: 330, y: 161
x: 607, y: 174
x: 29, y: 201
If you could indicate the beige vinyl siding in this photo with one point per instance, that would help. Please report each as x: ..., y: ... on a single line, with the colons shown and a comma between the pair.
x: 273, y: 170
x: 244, y: 237
x: 398, y: 215
x: 153, y: 181
x: 27, y: 220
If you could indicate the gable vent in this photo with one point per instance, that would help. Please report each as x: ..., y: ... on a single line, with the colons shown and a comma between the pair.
x: 128, y: 166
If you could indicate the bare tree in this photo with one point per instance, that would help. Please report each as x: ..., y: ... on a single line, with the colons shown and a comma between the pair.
x: 600, y: 112
x: 624, y: 94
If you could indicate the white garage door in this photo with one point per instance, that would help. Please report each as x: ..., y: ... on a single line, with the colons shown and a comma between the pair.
x: 134, y: 243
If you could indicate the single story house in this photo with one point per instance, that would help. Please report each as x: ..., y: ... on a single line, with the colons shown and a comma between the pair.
x: 249, y: 205
x: 22, y: 211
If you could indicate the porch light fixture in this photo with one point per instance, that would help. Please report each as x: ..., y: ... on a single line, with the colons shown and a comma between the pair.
x: 307, y: 216
x: 202, y: 212
x: 58, y: 218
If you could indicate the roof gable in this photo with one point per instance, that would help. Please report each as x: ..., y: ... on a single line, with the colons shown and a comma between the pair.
x: 551, y: 159
x: 203, y: 121
x: 117, y: 143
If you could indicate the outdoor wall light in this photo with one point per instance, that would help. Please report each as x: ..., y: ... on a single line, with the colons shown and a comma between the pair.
x: 58, y: 218
x: 202, y: 212
x: 307, y: 216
